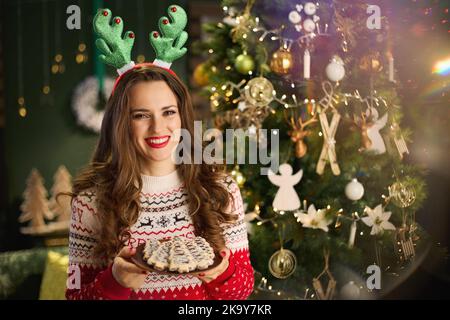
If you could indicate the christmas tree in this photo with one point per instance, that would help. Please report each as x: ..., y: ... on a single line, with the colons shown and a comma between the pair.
x: 35, y: 206
x: 60, y: 206
x: 343, y: 202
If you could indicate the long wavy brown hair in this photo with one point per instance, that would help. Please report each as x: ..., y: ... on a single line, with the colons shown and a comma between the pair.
x: 113, y: 172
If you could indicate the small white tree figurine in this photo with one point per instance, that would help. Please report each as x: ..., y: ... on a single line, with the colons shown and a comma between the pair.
x: 62, y: 182
x: 35, y: 206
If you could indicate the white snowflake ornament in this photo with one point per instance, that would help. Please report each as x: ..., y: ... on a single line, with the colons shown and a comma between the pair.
x: 378, y: 220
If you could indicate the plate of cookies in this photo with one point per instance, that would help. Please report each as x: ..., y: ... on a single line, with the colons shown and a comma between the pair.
x: 177, y: 255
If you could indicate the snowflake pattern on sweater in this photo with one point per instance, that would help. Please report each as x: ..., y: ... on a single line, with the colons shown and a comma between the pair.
x: 164, y: 214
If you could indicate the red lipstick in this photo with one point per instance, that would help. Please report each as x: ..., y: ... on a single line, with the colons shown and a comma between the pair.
x: 157, y: 142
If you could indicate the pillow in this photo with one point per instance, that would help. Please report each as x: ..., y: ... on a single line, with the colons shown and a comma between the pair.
x: 53, y: 285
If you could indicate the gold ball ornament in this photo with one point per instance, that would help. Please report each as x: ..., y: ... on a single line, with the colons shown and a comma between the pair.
x: 200, y: 75
x: 402, y: 193
x: 282, y: 263
x: 281, y: 62
x: 259, y: 92
x: 244, y: 63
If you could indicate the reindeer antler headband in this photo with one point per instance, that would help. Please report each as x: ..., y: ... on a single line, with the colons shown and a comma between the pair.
x: 116, y: 50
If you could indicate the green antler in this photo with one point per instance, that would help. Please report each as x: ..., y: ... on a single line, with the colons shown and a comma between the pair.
x: 116, y: 51
x: 169, y: 45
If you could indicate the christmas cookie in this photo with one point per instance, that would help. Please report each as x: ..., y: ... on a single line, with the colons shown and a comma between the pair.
x: 179, y: 254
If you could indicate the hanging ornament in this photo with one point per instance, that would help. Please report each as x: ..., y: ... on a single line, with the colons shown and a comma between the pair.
x: 282, y: 263
x: 308, y: 24
x: 354, y: 190
x: 299, y: 133
x: 328, y: 153
x: 377, y: 145
x: 253, y: 106
x: 310, y: 8
x: 282, y: 61
x: 363, y: 124
x: 329, y: 293
x: 405, y: 244
x: 399, y: 140
x: 402, y: 193
x: 295, y: 17
x: 371, y: 63
x: 200, y: 75
x: 286, y: 198
x: 244, y: 64
x: 335, y: 70
x: 259, y: 92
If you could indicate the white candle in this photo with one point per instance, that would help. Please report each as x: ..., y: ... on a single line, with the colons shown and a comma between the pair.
x: 391, y: 68
x: 351, y: 239
x: 307, y: 65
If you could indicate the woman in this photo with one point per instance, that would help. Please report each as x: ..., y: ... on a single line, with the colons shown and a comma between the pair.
x: 132, y: 191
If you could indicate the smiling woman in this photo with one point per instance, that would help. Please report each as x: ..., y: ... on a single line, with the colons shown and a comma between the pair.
x: 133, y: 192
x: 155, y: 119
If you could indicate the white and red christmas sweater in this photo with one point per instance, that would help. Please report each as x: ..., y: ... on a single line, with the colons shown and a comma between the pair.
x: 164, y: 214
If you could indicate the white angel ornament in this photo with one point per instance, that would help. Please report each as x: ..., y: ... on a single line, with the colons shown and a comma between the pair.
x: 286, y: 198
x: 373, y: 132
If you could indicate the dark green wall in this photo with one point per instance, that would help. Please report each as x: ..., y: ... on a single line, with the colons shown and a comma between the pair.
x: 49, y: 136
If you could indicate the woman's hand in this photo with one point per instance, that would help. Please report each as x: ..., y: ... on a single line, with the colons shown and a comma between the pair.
x: 210, y: 275
x: 126, y: 273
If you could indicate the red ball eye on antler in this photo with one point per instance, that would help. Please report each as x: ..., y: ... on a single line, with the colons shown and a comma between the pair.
x: 131, y: 35
x: 155, y: 34
x: 173, y: 9
x: 117, y: 20
x: 165, y: 21
x: 105, y: 13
